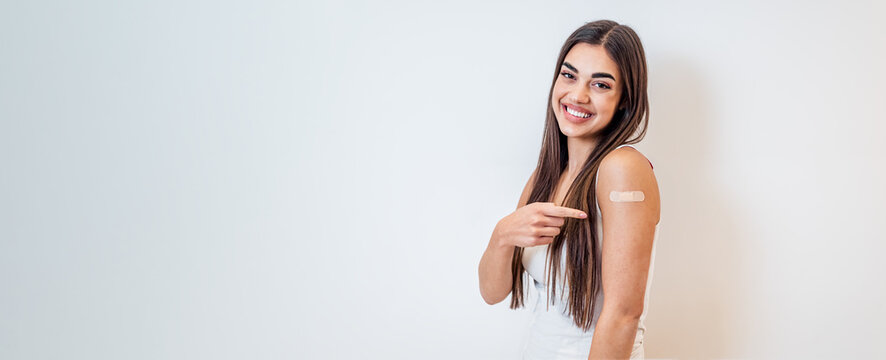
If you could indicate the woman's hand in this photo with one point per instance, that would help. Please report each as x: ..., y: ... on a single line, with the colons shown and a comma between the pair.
x: 533, y: 225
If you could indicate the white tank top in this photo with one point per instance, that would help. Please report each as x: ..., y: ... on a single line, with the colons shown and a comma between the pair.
x: 552, y: 333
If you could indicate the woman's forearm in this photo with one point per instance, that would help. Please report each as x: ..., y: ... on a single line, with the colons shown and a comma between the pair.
x: 495, y: 271
x: 614, y: 336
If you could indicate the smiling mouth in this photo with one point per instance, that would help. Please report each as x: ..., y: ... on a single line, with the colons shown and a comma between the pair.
x: 576, y: 113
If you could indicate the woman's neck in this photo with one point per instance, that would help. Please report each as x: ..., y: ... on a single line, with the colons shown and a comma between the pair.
x: 578, y: 149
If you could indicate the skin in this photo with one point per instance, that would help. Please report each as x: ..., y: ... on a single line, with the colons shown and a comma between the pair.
x: 628, y: 227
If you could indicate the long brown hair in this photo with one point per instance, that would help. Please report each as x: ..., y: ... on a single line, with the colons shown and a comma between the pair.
x: 580, y: 235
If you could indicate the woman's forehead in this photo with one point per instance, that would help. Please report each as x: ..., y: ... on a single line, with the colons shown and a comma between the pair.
x: 588, y: 59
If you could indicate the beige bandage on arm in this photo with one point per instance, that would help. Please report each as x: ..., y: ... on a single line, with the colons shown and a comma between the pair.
x: 626, y: 196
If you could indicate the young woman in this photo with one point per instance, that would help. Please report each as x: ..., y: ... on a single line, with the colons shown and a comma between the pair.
x: 591, y: 207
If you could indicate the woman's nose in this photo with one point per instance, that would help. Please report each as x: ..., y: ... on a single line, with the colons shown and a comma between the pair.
x: 580, y: 95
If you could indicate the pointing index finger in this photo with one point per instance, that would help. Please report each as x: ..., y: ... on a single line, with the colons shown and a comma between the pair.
x: 562, y: 211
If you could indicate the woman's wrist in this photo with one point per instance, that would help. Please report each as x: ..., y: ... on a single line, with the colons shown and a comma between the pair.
x: 497, y: 241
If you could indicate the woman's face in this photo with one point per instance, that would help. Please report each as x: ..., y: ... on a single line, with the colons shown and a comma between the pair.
x: 586, y: 92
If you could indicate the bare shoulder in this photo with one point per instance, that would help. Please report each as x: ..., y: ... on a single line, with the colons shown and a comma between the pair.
x: 626, y: 159
x: 627, y: 170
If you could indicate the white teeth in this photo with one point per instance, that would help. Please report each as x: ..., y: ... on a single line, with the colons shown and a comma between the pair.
x: 576, y: 113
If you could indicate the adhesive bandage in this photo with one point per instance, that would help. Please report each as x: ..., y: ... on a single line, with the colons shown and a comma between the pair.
x: 626, y: 196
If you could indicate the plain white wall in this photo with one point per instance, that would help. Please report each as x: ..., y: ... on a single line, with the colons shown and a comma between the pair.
x: 187, y: 179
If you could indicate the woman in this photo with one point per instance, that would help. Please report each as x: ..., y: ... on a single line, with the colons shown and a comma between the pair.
x: 591, y: 206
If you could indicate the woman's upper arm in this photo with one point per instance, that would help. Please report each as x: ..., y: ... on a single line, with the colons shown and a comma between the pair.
x: 527, y: 190
x: 628, y: 228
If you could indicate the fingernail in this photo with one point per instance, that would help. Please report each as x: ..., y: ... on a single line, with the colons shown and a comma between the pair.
x: 583, y: 215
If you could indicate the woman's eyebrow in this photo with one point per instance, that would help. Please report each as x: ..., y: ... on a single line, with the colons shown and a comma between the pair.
x: 594, y: 75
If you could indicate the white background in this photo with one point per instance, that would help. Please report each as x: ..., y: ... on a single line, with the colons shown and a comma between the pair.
x: 268, y: 180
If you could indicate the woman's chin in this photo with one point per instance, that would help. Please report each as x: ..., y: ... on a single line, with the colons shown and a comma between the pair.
x: 575, y: 135
x: 570, y: 130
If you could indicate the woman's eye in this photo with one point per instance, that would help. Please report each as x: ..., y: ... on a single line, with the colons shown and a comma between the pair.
x: 602, y: 86
x: 566, y: 75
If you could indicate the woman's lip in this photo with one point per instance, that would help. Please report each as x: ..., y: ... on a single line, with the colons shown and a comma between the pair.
x: 574, y: 118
